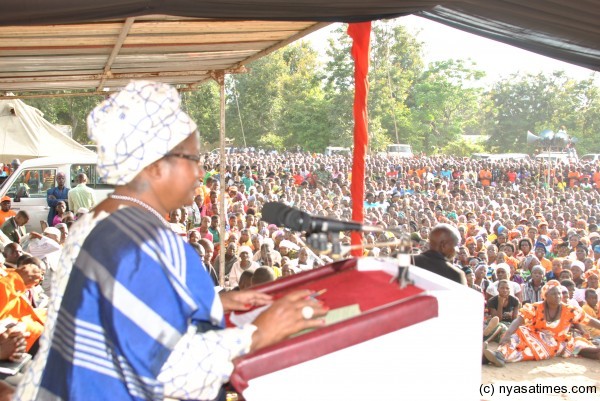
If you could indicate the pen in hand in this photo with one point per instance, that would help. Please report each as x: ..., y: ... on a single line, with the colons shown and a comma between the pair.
x: 315, y: 294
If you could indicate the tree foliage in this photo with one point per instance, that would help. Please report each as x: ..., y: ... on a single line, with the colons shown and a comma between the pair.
x: 396, y: 64
x: 339, y: 89
x: 445, y: 104
x: 258, y: 94
x: 70, y: 110
x: 302, y: 120
x: 203, y: 105
x: 462, y: 148
x: 534, y: 103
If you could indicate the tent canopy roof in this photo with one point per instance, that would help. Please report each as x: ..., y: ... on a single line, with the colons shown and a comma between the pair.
x: 25, y: 134
x: 94, y: 45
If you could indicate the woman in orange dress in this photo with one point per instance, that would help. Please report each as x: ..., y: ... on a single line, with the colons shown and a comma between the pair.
x: 542, y: 331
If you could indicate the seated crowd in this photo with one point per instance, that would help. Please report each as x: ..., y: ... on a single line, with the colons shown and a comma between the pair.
x: 520, y: 224
x: 526, y: 234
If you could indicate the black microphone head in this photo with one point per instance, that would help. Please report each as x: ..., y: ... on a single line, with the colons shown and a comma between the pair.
x: 272, y: 213
x: 285, y: 216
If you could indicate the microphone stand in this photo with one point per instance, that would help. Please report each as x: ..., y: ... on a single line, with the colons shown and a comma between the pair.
x: 405, y: 259
x: 309, y: 247
x: 319, y: 241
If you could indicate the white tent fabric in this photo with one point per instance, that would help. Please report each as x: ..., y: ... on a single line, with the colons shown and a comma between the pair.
x: 25, y: 134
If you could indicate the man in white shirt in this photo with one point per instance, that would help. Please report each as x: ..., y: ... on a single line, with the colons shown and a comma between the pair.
x: 81, y: 196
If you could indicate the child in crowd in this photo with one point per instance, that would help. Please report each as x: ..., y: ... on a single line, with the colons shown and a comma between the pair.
x: 591, y: 308
x: 61, y: 208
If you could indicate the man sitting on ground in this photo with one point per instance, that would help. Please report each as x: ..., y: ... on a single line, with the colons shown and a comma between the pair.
x: 12, y: 252
x: 443, y: 240
x: 5, y: 209
x: 13, y: 284
x: 14, y: 227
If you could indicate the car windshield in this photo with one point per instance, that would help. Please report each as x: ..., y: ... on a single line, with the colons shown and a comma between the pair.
x: 399, y: 148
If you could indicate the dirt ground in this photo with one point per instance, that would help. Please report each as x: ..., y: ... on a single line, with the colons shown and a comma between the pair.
x: 576, y: 379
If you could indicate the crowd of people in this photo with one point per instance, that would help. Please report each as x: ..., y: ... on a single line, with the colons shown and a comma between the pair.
x: 520, y: 224
x: 518, y: 232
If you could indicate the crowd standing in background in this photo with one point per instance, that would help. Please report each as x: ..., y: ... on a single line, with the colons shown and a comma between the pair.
x: 520, y: 225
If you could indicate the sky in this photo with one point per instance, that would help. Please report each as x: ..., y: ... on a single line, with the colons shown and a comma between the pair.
x: 497, y: 59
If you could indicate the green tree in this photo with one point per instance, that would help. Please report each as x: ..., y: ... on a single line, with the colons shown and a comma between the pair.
x: 588, y: 116
x: 258, y: 95
x: 576, y: 106
x: 204, y: 105
x: 281, y: 96
x: 462, y: 148
x: 521, y: 103
x: 396, y: 63
x: 339, y: 88
x: 271, y: 141
x: 302, y: 120
x: 445, y: 103
x: 543, y: 101
x: 72, y: 110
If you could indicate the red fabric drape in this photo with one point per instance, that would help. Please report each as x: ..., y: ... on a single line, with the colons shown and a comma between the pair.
x: 361, y: 35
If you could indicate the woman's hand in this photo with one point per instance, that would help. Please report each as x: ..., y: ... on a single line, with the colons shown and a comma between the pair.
x: 12, y: 344
x: 6, y: 391
x: 34, y: 234
x: 287, y: 316
x: 31, y: 275
x: 243, y: 300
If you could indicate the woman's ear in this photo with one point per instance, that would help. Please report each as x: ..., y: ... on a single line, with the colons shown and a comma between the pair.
x: 159, y: 169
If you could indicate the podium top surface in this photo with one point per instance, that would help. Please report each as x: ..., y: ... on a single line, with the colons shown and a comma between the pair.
x: 384, y: 308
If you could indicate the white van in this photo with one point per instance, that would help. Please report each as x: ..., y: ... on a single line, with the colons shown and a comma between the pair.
x: 590, y: 157
x: 399, y: 150
x: 480, y: 156
x: 557, y: 157
x: 507, y: 157
x: 337, y: 150
x: 27, y: 186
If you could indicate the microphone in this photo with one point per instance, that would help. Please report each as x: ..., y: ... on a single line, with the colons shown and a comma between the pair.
x: 297, y: 220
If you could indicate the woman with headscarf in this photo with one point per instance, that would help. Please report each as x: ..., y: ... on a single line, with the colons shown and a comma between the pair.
x: 591, y: 280
x: 245, y: 263
x: 542, y: 331
x: 135, y: 315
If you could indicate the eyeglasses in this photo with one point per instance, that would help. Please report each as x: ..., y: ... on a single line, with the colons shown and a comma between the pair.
x: 193, y: 158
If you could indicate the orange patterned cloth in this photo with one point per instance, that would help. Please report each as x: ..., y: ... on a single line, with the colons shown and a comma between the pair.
x: 537, y: 339
x: 512, y: 262
x: 14, y: 305
x: 594, y: 313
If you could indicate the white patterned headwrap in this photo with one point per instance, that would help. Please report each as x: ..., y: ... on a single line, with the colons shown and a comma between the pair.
x: 135, y: 127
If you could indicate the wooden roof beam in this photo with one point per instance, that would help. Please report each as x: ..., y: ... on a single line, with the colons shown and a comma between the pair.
x: 215, y: 76
x: 67, y: 78
x: 283, y: 43
x: 115, y: 52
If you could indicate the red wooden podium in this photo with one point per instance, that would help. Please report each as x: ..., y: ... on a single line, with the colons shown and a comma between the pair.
x: 420, y: 342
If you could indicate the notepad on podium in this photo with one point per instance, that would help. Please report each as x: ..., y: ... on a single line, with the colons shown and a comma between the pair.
x: 369, y: 354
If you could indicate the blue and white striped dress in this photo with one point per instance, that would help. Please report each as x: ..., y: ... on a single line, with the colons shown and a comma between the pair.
x: 135, y: 289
